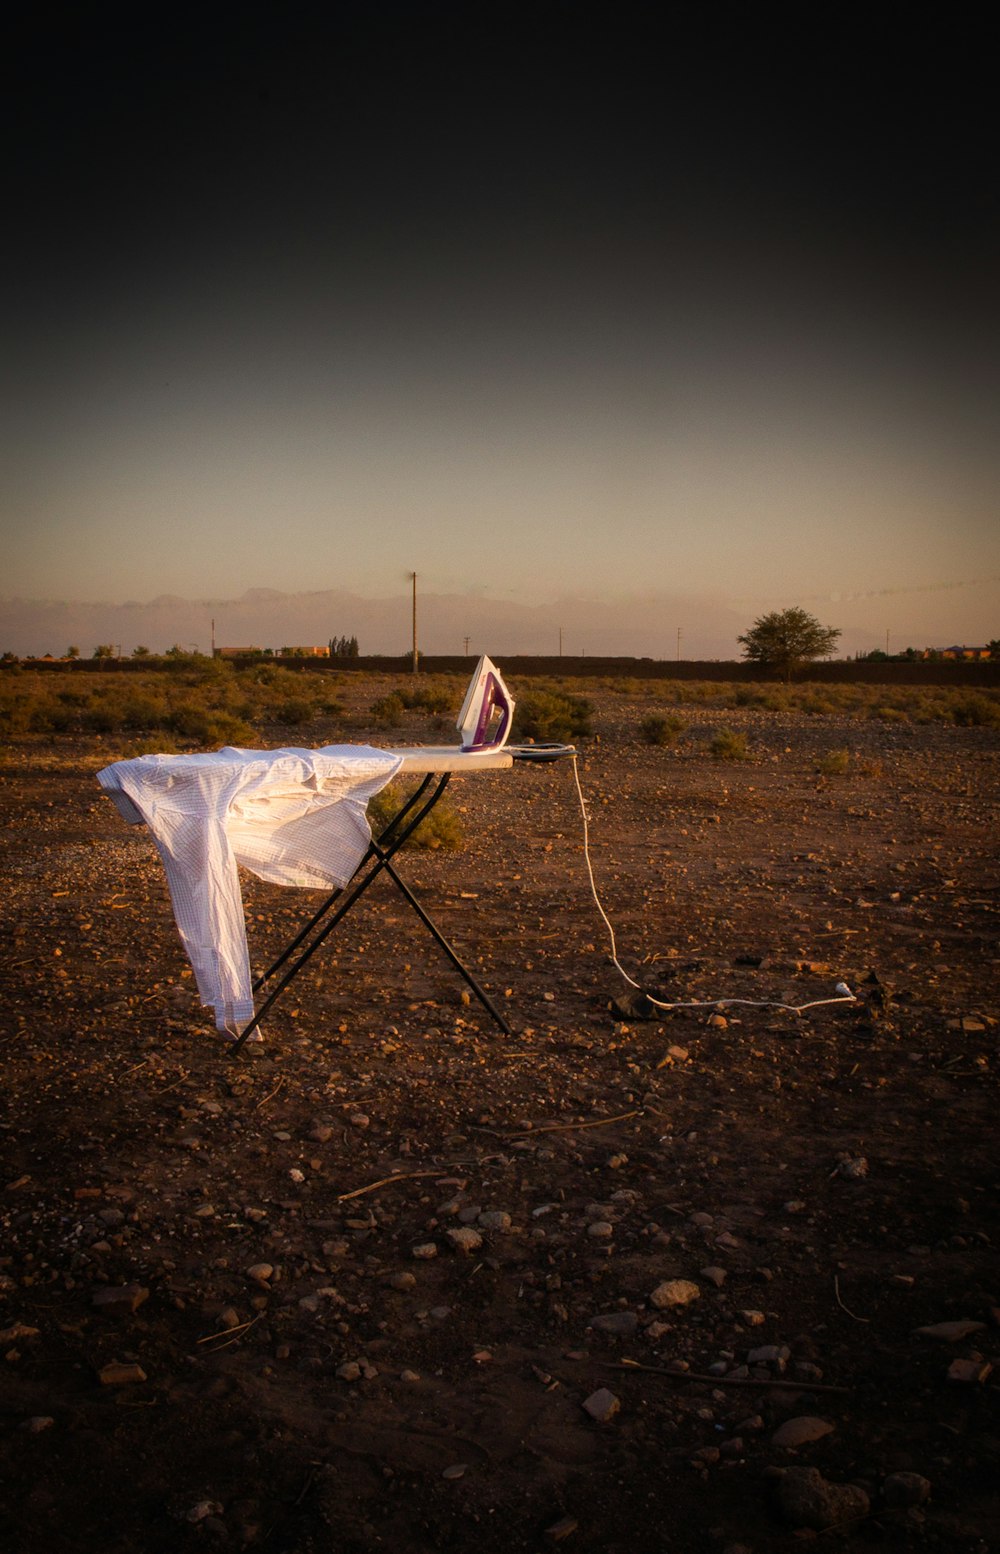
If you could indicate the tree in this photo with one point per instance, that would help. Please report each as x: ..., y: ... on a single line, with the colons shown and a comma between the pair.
x: 787, y: 639
x: 73, y: 652
x: 104, y: 650
x: 140, y: 652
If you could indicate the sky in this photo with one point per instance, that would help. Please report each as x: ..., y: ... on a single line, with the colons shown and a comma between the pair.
x: 546, y: 303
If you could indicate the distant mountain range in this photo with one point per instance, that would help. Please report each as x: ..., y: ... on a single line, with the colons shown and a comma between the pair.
x: 264, y: 617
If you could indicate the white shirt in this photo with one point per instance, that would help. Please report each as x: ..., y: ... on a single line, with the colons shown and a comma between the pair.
x: 291, y: 816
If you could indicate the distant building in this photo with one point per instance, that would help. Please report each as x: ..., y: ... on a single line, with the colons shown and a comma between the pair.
x: 965, y: 652
x: 284, y: 652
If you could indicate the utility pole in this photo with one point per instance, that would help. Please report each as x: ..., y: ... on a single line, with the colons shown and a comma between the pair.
x: 466, y: 640
x: 414, y: 577
x: 887, y: 642
x: 213, y: 637
x: 560, y: 642
x: 678, y: 644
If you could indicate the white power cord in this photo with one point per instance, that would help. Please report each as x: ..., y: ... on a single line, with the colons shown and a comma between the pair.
x: 844, y: 994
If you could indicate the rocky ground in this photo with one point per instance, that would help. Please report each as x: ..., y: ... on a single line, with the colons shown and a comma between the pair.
x: 625, y: 1280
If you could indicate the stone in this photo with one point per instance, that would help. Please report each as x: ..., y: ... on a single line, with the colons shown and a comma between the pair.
x: 11, y: 1335
x: 456, y: 1470
x: 951, y: 1332
x: 602, y: 1405
x: 404, y: 1280
x: 674, y: 1292
x: 970, y: 1372
x: 807, y: 1499
x: 464, y: 1240
x: 561, y: 1529
x: 799, y: 1432
x: 120, y: 1301
x: 714, y: 1275
x: 349, y: 1371
x: 600, y: 1230
x: 203, y: 1510
x: 495, y: 1219
x: 118, y: 1374
x: 425, y: 1251
x: 900, y: 1491
x: 622, y: 1324
x: 38, y: 1423
x: 260, y: 1273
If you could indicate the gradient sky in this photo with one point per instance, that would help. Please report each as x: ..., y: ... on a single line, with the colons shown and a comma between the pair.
x: 549, y: 300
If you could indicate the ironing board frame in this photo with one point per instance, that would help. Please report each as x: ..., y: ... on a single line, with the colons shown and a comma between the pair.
x: 377, y: 860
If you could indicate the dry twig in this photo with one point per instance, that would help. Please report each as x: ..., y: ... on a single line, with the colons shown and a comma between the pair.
x: 573, y: 1127
x: 386, y: 1181
x: 853, y: 1315
x: 786, y: 1382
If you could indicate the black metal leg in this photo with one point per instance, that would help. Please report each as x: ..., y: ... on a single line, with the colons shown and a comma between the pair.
x: 337, y: 905
x: 334, y: 897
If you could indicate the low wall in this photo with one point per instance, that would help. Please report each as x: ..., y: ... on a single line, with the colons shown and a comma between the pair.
x: 891, y: 672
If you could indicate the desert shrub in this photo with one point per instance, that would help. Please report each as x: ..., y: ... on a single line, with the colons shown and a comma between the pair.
x: 834, y: 763
x: 210, y: 727
x: 551, y: 715
x: 660, y: 729
x: 815, y: 703
x: 887, y: 714
x: 293, y: 709
x: 727, y: 745
x: 388, y: 710
x: 975, y: 711
x: 430, y: 696
x: 441, y: 829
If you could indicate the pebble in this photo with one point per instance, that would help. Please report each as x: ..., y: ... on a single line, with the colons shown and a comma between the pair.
x: 674, y: 1292
x: 600, y: 1230
x: 621, y: 1323
x: 260, y: 1272
x: 456, y: 1470
x: 970, y: 1372
x: 465, y: 1239
x: 118, y: 1374
x: 714, y: 1275
x: 902, y: 1490
x: 561, y: 1529
x: 425, y: 1251
x: 38, y: 1423
x: 349, y: 1371
x: 495, y: 1219
x: 402, y: 1281
x: 752, y: 1318
x: 409, y: 1376
x: 951, y: 1332
x: 799, y: 1432
x: 602, y: 1405
x: 120, y: 1301
x: 11, y: 1335
x: 203, y: 1509
x: 807, y: 1499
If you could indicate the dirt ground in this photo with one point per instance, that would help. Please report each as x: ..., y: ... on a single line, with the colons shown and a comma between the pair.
x: 812, y: 1189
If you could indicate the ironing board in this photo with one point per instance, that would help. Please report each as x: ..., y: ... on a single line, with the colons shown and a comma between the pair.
x: 435, y: 766
x: 296, y: 816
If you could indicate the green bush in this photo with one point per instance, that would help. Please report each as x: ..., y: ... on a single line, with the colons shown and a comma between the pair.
x: 834, y: 763
x: 388, y: 710
x: 441, y: 829
x: 551, y: 715
x: 974, y: 711
x: 727, y: 745
x: 658, y: 729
